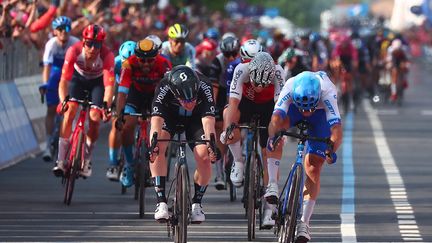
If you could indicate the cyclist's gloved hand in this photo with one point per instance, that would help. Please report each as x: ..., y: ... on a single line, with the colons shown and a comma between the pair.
x: 331, y: 158
x: 60, y: 110
x: 222, y: 137
x: 43, y: 88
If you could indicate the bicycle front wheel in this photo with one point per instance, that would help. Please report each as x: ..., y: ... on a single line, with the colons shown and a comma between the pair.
x: 287, y: 232
x: 74, y: 169
x: 182, y: 206
x: 251, y: 197
x: 141, y: 177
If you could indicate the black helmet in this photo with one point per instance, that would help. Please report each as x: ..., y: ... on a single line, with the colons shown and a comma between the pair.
x: 230, y: 44
x: 183, y: 82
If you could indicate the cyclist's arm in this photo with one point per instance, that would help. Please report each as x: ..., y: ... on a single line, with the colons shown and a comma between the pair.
x: 235, y: 95
x: 329, y: 100
x: 279, y: 81
x: 108, y: 78
x: 47, y: 60
x: 158, y: 110
x: 281, y: 107
x: 46, y: 73
x: 208, y: 123
x: 67, y: 72
x: 124, y: 85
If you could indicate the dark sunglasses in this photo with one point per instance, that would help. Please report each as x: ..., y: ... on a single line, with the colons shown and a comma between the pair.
x: 230, y: 54
x: 179, y: 40
x: 95, y: 44
x: 63, y: 28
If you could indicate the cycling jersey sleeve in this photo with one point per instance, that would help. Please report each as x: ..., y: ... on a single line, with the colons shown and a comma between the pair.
x: 207, y: 105
x: 48, y: 57
x: 284, y: 100
x: 68, y: 66
x: 236, y: 87
x: 278, y: 81
x: 329, y: 99
x: 125, y: 77
x: 108, y: 69
x: 117, y: 68
x: 160, y: 100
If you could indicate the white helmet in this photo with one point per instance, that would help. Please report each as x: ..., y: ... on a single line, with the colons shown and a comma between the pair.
x: 262, y: 69
x: 249, y: 49
x: 156, y: 40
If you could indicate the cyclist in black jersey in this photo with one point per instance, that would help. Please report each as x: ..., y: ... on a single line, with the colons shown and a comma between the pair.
x: 183, y: 98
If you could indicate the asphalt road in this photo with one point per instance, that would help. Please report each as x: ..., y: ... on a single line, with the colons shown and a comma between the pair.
x: 378, y: 191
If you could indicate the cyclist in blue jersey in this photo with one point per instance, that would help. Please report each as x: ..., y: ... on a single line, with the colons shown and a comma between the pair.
x: 309, y: 96
x: 53, y: 58
x: 126, y: 50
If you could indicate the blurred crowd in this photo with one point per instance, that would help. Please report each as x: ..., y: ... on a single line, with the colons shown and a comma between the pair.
x: 30, y: 20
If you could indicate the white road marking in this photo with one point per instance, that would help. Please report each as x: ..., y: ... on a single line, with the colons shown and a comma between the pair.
x: 394, y: 179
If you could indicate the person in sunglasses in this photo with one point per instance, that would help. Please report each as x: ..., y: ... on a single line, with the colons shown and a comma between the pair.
x: 177, y: 49
x: 184, y: 97
x: 229, y: 47
x: 140, y: 74
x: 88, y: 67
x: 255, y: 84
x: 53, y: 59
x: 309, y: 96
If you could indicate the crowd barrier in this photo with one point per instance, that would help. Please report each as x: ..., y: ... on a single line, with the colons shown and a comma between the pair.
x: 21, y: 113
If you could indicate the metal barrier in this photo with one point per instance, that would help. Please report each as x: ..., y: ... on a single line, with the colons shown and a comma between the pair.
x: 18, y: 60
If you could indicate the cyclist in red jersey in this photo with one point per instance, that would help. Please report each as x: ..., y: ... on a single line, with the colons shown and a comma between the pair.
x: 88, y: 67
x: 140, y: 74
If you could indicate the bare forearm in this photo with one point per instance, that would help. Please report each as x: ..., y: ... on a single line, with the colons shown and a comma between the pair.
x: 230, y: 112
x: 109, y: 92
x: 63, y: 89
x: 121, y: 101
x: 276, y: 123
x: 209, y: 125
x: 46, y: 73
x: 336, y: 136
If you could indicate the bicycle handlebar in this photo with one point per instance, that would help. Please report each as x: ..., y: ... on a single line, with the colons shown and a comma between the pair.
x: 233, y: 126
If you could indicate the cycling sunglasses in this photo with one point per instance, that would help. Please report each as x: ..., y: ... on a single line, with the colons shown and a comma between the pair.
x: 179, y: 40
x: 95, y: 44
x: 230, y: 54
x: 63, y: 28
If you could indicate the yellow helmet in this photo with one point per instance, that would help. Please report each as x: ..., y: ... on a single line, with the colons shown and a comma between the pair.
x: 178, y: 31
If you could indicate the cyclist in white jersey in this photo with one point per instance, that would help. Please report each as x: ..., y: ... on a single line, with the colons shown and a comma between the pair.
x: 53, y: 59
x: 309, y: 96
x: 176, y: 49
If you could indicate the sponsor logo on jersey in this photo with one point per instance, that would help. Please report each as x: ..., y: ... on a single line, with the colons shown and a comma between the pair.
x: 284, y: 99
x: 330, y: 107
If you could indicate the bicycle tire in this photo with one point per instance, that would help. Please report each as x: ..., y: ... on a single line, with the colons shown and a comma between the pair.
x: 228, y: 164
x: 259, y: 185
x: 290, y: 218
x: 182, y: 207
x: 251, y: 196
x: 74, y: 169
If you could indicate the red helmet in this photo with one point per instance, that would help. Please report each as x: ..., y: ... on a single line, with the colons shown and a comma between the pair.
x: 94, y: 32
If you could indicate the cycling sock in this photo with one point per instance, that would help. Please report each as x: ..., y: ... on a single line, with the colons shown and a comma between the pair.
x: 199, y: 193
x: 128, y: 154
x: 272, y: 168
x: 159, y: 182
x: 48, y: 141
x: 88, y: 149
x: 63, y: 148
x: 113, y: 156
x: 219, y: 168
x: 308, y: 207
x: 236, y: 151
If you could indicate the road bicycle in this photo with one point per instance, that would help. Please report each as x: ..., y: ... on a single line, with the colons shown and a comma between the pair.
x: 254, y: 185
x: 76, y: 151
x: 290, y: 202
x: 181, y: 203
x: 142, y: 175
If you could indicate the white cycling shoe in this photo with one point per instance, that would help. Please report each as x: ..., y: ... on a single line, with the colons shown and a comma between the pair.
x: 237, y: 174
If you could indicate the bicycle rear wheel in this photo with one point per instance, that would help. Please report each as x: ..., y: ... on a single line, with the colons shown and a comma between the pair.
x: 74, y: 169
x: 182, y: 206
x: 287, y: 232
x: 251, y: 196
x: 141, y: 178
x: 228, y: 165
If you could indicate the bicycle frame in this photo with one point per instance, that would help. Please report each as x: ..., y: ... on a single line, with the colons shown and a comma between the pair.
x: 78, y: 128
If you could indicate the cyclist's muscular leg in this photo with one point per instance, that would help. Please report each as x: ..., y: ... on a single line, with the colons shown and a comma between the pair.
x: 159, y: 166
x: 313, y: 166
x: 203, y: 171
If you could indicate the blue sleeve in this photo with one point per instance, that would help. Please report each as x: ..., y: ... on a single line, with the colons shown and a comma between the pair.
x: 117, y: 68
x: 230, y: 72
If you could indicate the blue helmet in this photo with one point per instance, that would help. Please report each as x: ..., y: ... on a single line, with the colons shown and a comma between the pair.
x: 212, y: 33
x: 62, y: 21
x: 306, y: 91
x: 127, y: 49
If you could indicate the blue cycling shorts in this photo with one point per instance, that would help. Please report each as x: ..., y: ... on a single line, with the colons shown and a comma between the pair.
x: 319, y: 127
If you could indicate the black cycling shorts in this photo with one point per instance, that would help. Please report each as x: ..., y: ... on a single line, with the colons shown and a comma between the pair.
x: 79, y: 84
